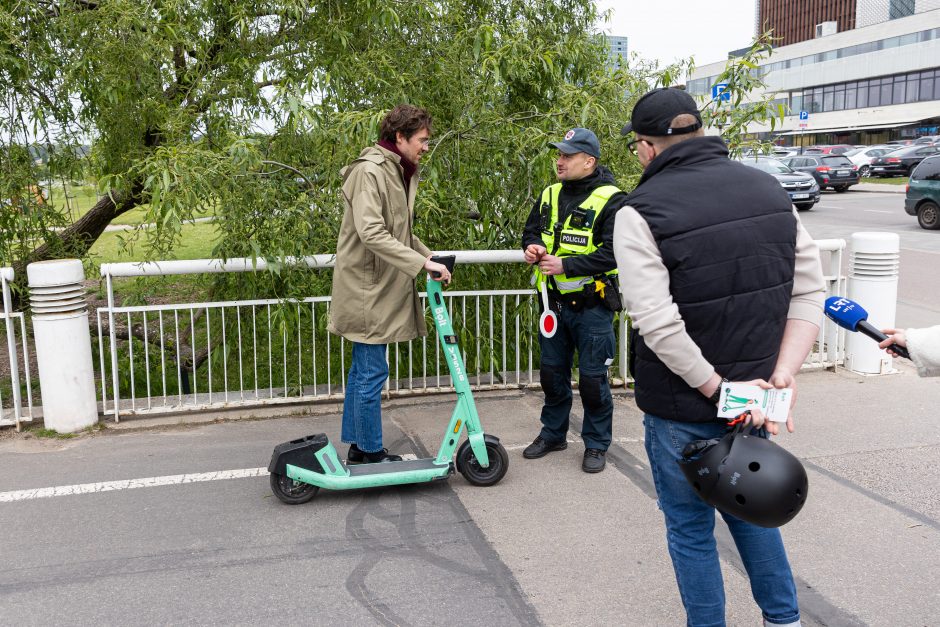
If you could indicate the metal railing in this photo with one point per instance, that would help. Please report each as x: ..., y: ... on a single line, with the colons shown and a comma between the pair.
x: 212, y: 355
x: 11, y: 405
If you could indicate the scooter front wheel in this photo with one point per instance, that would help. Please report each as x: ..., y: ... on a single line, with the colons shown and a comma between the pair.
x: 476, y: 474
x: 290, y: 491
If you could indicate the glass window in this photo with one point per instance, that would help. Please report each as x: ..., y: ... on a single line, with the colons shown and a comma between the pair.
x: 929, y: 169
x: 926, y: 89
x: 796, y: 101
x: 850, y: 98
x: 913, y: 91
x: 862, y: 101
x: 910, y: 38
x: 874, y: 95
x: 886, y: 89
x: 838, y: 101
x: 898, y: 94
x: 827, y: 101
x: 891, y: 42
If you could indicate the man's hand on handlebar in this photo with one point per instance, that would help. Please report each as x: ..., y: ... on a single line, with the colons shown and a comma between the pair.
x: 439, y: 271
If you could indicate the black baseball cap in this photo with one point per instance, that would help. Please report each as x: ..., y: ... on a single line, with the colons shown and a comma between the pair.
x: 654, y: 112
x: 579, y: 140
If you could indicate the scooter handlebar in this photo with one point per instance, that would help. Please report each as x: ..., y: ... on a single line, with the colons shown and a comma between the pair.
x: 447, y: 260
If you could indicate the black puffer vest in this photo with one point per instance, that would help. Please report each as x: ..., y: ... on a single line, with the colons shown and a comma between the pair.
x: 727, y: 234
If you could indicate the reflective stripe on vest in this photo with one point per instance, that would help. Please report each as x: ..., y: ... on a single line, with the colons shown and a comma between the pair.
x: 572, y: 240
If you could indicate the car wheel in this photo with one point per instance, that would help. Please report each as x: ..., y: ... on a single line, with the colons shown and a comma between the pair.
x: 864, y: 171
x: 841, y: 188
x: 928, y: 216
x: 804, y: 206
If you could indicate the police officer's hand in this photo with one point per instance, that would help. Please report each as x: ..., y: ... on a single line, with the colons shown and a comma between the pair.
x: 533, y: 253
x: 550, y: 265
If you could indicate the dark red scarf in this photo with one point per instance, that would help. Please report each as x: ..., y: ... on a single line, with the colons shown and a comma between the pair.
x: 406, y: 164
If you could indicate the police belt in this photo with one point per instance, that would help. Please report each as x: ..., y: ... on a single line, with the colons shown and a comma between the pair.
x: 584, y: 298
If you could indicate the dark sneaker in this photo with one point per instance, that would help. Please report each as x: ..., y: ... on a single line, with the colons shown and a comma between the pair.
x: 594, y: 460
x: 541, y: 448
x: 356, y: 456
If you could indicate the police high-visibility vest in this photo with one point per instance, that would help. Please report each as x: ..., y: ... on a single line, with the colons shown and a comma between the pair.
x: 573, y: 239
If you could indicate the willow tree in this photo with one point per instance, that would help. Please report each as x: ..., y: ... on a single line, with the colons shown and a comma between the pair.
x: 250, y: 108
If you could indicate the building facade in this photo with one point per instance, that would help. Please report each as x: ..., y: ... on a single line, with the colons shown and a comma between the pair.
x: 861, y: 86
x: 793, y: 22
x: 617, y: 54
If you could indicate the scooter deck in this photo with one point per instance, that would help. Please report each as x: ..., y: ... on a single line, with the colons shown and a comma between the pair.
x: 361, y: 470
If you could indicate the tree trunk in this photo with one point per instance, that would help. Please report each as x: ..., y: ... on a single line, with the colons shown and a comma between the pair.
x: 76, y: 240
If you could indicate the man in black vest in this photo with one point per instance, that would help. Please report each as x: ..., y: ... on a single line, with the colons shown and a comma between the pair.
x: 721, y: 281
x: 569, y: 234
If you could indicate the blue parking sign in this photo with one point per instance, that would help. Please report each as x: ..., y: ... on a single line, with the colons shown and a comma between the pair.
x: 720, y: 91
x: 804, y: 115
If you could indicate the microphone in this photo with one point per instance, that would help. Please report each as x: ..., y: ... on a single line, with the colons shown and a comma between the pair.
x: 850, y: 315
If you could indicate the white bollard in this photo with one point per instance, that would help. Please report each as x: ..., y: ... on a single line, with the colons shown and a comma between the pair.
x: 63, y: 344
x: 874, y: 267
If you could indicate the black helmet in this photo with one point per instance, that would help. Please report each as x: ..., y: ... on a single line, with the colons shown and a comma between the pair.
x: 747, y: 476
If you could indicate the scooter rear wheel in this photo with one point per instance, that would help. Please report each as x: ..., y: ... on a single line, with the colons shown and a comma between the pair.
x: 476, y: 474
x: 290, y: 491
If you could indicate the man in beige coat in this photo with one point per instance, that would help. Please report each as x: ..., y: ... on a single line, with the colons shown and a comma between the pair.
x: 375, y: 301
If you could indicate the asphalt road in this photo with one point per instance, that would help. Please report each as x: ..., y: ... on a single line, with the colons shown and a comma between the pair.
x: 840, y: 215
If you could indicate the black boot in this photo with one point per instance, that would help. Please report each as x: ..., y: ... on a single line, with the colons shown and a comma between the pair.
x: 594, y: 460
x: 357, y: 456
x: 541, y: 448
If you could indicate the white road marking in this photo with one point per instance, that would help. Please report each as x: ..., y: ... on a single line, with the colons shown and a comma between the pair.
x: 132, y: 484
x: 878, y: 211
x: 129, y: 484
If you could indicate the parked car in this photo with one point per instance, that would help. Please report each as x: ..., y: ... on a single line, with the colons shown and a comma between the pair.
x: 923, y: 193
x: 862, y: 157
x: 900, y: 142
x: 901, y: 162
x: 802, y: 188
x: 780, y: 152
x: 835, y: 171
x: 836, y: 149
x: 927, y: 139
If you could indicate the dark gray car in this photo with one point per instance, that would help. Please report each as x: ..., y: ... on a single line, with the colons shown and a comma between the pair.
x: 802, y: 188
x: 833, y: 171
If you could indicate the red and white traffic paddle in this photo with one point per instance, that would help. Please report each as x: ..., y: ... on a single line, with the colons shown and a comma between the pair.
x: 548, y: 323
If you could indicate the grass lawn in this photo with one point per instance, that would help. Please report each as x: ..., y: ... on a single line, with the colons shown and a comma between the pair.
x: 892, y: 180
x: 197, y: 242
x: 78, y: 199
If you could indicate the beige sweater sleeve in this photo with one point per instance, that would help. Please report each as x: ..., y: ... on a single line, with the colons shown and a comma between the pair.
x: 644, y: 281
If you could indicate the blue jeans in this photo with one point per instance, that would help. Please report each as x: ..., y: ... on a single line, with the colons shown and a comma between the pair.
x: 690, y: 535
x: 591, y: 332
x: 362, y: 406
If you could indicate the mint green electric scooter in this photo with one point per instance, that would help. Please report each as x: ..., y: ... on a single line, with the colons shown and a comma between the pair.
x: 299, y: 468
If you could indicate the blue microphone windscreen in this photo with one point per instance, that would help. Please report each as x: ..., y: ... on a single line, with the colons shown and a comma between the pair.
x: 844, y: 312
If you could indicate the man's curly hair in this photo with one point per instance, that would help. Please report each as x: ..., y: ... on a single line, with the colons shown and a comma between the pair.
x: 405, y: 119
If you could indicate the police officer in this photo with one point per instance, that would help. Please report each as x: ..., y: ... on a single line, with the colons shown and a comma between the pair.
x: 568, y: 237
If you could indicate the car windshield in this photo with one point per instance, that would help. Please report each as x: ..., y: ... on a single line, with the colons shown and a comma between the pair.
x: 768, y: 165
x: 840, y: 160
x: 853, y: 152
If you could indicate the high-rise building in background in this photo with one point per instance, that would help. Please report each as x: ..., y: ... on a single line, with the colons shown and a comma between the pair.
x: 617, y: 56
x: 793, y: 22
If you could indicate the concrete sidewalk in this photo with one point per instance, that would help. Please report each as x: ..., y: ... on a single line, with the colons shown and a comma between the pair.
x: 569, y: 548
